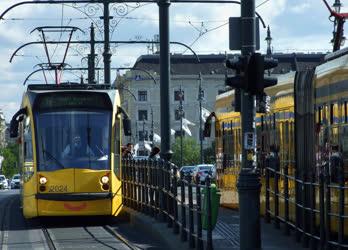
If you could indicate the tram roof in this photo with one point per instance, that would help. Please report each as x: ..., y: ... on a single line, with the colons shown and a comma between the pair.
x: 50, y: 87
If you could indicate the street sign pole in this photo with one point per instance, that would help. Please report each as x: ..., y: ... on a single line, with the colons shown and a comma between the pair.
x: 248, y: 181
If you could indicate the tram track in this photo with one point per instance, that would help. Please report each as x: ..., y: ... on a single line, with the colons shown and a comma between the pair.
x: 48, y: 239
x: 115, y: 234
x: 5, y: 222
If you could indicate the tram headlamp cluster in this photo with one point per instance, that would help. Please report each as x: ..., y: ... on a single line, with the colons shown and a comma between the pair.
x: 105, y: 180
x: 43, y: 180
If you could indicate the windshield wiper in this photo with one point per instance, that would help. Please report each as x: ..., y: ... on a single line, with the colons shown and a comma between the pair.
x: 52, y: 157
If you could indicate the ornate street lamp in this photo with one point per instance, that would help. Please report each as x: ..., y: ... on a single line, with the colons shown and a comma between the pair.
x: 181, y: 115
x: 269, y: 39
x: 200, y: 99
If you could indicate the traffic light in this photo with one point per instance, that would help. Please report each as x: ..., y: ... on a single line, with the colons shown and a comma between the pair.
x: 239, y: 64
x: 255, y: 74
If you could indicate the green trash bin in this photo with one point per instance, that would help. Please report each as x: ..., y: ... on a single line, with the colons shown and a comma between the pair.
x: 215, y: 203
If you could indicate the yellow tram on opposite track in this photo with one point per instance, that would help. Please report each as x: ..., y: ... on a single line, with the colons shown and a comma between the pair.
x: 70, y: 142
x: 306, y: 124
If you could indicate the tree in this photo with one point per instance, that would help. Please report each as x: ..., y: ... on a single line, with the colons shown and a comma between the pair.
x: 10, y: 164
x: 190, y: 152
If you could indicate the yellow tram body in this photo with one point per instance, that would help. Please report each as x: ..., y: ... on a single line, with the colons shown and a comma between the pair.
x: 77, y: 185
x: 330, y: 87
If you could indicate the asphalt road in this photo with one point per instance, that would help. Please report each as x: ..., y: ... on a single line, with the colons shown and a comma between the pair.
x: 66, y: 232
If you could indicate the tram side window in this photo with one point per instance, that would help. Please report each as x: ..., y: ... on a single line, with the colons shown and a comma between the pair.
x: 117, y: 159
x: 28, y: 146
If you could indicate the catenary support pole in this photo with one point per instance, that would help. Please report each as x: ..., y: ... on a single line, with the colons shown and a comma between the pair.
x: 91, y: 58
x: 166, y: 153
x: 248, y: 181
x: 107, y: 53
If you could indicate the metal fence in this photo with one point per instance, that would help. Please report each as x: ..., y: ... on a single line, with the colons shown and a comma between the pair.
x: 312, y: 204
x: 153, y: 187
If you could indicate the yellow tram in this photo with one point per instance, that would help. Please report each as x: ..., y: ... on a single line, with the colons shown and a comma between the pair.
x: 307, y: 119
x: 70, y: 139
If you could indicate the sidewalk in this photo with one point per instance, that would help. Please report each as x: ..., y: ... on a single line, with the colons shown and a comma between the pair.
x: 225, y: 234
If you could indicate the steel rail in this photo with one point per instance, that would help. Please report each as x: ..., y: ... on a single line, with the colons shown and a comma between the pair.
x: 48, y: 238
x: 120, y: 2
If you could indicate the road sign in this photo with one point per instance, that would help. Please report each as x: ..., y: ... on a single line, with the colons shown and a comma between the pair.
x: 249, y: 141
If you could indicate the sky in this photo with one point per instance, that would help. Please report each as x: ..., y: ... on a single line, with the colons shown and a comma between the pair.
x: 296, y: 26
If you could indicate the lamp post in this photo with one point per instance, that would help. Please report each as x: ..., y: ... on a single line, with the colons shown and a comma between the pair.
x: 337, y: 7
x: 200, y: 99
x: 269, y: 39
x: 181, y: 115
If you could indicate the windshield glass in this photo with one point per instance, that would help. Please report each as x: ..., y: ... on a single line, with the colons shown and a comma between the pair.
x: 2, y: 178
x: 73, y: 139
x: 15, y: 177
x: 205, y: 168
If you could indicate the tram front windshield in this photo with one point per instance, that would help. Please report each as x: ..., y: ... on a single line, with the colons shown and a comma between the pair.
x: 73, y: 139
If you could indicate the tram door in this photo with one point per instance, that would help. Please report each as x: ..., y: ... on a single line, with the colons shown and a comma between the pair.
x: 29, y: 182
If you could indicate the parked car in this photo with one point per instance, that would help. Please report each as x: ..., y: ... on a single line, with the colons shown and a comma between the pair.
x: 15, y: 181
x: 186, y: 172
x: 3, y: 182
x: 202, y: 172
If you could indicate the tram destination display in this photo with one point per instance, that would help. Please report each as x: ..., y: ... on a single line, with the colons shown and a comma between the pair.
x: 73, y: 100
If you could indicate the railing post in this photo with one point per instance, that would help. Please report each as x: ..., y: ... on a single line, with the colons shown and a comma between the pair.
x: 199, y: 245
x: 322, y: 209
x: 312, y: 240
x: 183, y: 232
x: 157, y: 191
x: 191, y: 225
x: 341, y: 208
x: 297, y: 206
x: 175, y: 200
x: 169, y: 194
x: 151, y: 185
x: 276, y: 199
x: 327, y: 207
x: 267, y: 202
x: 147, y: 187
x: 134, y: 189
x: 162, y: 194
x: 209, y: 215
x: 286, y: 201
x: 139, y: 186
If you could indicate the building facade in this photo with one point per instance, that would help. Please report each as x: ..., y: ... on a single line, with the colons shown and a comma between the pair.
x: 3, y: 129
x: 141, y: 90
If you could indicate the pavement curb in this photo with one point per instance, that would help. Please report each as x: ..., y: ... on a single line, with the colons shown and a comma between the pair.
x: 165, y: 235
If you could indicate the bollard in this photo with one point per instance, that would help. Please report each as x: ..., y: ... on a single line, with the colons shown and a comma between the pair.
x: 134, y: 189
x: 199, y: 244
x: 209, y: 210
x: 183, y: 210
x: 175, y: 201
x: 191, y: 225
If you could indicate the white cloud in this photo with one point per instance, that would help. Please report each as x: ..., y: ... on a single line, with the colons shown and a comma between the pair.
x: 300, y: 8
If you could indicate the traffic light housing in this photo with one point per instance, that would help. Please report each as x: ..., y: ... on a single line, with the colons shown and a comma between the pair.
x: 238, y: 64
x: 255, y: 73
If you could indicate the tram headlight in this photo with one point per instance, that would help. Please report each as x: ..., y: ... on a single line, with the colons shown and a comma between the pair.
x: 43, y: 180
x: 105, y: 180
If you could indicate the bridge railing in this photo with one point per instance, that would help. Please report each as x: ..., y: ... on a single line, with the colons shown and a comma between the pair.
x: 313, y: 205
x: 155, y: 188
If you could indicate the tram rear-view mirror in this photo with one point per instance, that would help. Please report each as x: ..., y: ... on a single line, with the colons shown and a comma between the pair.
x: 15, y: 122
x: 127, y: 127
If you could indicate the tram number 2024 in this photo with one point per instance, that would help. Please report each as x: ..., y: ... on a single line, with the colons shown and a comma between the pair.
x: 58, y: 189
